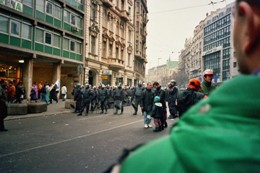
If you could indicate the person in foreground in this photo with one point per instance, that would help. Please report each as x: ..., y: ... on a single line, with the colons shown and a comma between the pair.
x: 220, y: 133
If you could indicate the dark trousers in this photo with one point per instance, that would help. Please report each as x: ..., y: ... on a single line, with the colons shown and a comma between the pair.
x: 85, y: 105
x: 104, y: 105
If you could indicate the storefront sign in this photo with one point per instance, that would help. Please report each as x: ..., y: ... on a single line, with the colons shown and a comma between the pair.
x: 104, y: 77
x: 12, y: 4
x: 107, y: 72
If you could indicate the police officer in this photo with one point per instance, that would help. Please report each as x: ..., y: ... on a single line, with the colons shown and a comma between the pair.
x: 118, y: 96
x: 77, y: 97
x: 103, y: 97
x: 87, y: 96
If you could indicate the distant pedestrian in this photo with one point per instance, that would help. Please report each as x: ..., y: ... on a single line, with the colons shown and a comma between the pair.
x: 53, y: 93
x: 3, y: 107
x: 146, y: 104
x: 137, y: 96
x: 157, y: 114
x: 161, y: 93
x: 172, y: 92
x: 207, y: 85
x: 64, y: 92
x: 34, y: 92
x: 19, y: 92
x: 11, y: 91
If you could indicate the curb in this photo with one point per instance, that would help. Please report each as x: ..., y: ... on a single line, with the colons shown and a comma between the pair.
x: 15, y: 117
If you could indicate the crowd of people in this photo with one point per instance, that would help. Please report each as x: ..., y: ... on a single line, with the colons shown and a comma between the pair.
x: 221, y: 132
x: 153, y: 100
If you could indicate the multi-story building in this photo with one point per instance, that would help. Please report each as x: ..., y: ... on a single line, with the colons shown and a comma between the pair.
x: 184, y: 64
x: 196, y: 51
x: 110, y: 38
x: 163, y: 73
x: 217, y: 49
x: 42, y: 40
x: 140, y: 20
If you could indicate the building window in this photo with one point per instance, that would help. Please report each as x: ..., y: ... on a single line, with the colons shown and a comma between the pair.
x: 39, y: 35
x: 104, y: 48
x: 27, y: 3
x: 4, y: 24
x: 26, y: 31
x: 15, y: 28
x: 48, y: 38
x: 104, y: 19
x: 57, y: 12
x: 110, y: 50
x: 129, y: 60
x: 79, y: 1
x: 66, y: 16
x: 56, y: 41
x: 66, y: 44
x: 117, y: 53
x: 72, y: 45
x: 48, y: 8
x: 73, y: 19
x: 78, y: 48
x: 40, y: 6
x: 93, y: 11
x: 117, y: 28
x: 93, y: 44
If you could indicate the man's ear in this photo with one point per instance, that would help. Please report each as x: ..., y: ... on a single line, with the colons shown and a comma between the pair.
x: 251, y: 27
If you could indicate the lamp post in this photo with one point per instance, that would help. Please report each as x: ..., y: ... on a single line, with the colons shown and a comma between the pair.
x: 157, y: 69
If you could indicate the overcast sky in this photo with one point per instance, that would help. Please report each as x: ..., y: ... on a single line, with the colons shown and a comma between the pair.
x: 170, y: 23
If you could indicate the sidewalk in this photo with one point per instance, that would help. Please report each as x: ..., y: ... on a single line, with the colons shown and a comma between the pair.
x: 52, y: 109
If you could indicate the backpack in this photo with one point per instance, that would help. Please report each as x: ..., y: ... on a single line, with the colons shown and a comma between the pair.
x: 186, y: 99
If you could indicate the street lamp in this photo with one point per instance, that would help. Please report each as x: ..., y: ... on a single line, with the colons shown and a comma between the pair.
x: 157, y: 69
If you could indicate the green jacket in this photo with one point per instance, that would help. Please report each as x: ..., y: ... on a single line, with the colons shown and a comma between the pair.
x: 219, y: 134
x: 207, y: 88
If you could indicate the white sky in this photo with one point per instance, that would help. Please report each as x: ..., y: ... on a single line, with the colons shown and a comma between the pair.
x: 170, y: 23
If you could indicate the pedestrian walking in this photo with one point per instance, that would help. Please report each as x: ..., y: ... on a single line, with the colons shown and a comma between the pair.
x: 146, y: 104
x: 157, y: 114
x: 172, y: 92
x: 137, y: 96
x: 161, y: 93
x: 34, y: 92
x: 64, y: 92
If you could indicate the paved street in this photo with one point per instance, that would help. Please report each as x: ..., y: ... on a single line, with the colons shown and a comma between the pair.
x: 63, y: 142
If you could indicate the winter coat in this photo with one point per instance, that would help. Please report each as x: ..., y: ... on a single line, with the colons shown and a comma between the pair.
x: 219, y: 134
x: 207, y: 88
x: 187, y: 98
x: 157, y: 111
x: 147, y: 100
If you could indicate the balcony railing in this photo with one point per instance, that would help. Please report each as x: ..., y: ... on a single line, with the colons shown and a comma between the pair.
x: 115, y: 63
